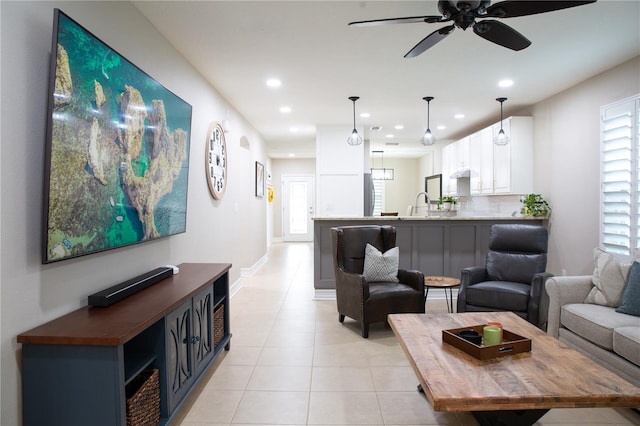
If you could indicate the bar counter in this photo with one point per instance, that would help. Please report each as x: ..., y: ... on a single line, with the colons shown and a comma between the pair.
x: 439, y: 244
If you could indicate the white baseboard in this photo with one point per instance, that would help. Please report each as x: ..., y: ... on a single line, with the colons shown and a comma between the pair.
x: 248, y: 272
x: 434, y: 294
x: 324, y: 294
x: 235, y: 287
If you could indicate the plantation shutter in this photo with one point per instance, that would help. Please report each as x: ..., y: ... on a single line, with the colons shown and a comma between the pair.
x: 620, y: 173
x: 378, y: 188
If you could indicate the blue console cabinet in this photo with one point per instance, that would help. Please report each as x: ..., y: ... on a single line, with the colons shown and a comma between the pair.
x: 75, y: 368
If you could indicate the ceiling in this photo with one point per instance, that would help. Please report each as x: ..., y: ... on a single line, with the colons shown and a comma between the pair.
x: 238, y: 45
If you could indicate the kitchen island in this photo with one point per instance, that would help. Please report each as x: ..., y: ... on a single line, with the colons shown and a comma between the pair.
x: 436, y: 245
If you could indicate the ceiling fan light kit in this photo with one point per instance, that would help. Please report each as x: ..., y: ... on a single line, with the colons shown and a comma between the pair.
x: 501, y: 138
x: 463, y: 14
x: 354, y: 139
x: 428, y: 138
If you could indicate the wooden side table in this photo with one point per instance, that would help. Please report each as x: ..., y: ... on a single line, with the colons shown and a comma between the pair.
x: 446, y: 283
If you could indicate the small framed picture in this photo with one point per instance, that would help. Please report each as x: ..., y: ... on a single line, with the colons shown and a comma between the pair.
x: 259, y: 179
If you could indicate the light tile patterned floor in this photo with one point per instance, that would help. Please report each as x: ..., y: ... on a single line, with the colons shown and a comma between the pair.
x: 292, y: 363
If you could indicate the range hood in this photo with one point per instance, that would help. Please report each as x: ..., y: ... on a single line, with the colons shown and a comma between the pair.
x: 460, y: 173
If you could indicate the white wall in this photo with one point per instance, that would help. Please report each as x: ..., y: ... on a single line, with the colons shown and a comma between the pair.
x: 339, y: 173
x: 567, y: 158
x: 31, y: 293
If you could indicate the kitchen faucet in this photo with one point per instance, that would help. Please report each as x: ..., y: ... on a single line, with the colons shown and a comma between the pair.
x: 415, y: 207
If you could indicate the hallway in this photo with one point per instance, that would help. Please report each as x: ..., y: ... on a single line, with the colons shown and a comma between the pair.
x: 292, y: 363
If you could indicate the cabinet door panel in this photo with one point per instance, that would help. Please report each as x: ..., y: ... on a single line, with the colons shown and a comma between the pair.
x: 203, y: 328
x: 462, y: 248
x: 179, y: 358
x: 502, y: 161
x: 431, y: 248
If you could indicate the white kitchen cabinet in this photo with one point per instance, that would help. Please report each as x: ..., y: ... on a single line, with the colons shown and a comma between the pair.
x: 481, y: 162
x: 513, y: 163
x: 506, y: 169
x: 449, y: 185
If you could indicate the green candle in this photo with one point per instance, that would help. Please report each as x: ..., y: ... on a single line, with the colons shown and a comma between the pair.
x: 491, y: 335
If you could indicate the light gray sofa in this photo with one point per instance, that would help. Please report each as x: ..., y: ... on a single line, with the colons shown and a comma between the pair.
x: 610, y: 338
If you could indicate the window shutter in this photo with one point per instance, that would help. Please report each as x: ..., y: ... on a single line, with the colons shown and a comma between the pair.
x: 378, y: 188
x: 620, y: 162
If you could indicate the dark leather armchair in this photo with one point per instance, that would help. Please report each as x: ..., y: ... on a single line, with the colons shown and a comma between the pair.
x: 371, y: 302
x: 514, y: 276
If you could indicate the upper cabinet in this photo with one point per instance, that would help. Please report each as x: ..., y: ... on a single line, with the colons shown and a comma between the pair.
x: 494, y: 169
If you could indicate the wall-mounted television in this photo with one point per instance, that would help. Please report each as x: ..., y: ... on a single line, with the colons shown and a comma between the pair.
x: 117, y: 150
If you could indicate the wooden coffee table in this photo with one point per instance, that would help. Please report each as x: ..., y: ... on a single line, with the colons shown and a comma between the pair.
x: 511, y: 389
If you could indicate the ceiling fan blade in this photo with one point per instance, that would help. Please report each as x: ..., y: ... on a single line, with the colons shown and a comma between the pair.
x: 511, y: 8
x: 430, y: 41
x: 501, y: 34
x: 405, y: 20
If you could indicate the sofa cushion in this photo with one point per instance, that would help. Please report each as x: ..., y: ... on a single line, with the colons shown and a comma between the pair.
x: 626, y: 342
x: 609, y: 279
x: 631, y: 296
x: 594, y: 323
x: 381, y: 267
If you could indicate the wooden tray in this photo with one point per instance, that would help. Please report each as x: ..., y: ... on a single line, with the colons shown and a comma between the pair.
x: 511, y: 343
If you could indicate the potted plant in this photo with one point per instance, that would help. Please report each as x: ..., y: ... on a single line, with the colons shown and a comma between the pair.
x: 448, y: 202
x: 534, y: 205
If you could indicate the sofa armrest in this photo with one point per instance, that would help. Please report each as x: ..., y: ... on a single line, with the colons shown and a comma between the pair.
x: 564, y: 290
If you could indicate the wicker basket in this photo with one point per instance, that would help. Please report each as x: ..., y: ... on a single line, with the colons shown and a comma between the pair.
x: 143, y: 399
x: 218, y: 325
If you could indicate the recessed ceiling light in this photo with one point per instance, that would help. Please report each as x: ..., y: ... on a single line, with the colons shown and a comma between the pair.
x: 285, y: 109
x: 292, y: 155
x: 293, y: 129
x: 398, y: 127
x: 389, y: 136
x: 365, y: 115
x: 459, y: 116
x: 274, y: 82
x: 441, y: 127
x: 505, y: 83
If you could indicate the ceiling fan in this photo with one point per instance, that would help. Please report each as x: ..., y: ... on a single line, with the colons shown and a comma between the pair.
x: 464, y: 13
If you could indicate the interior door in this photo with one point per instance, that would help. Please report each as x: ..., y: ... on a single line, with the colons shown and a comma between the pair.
x: 297, y: 207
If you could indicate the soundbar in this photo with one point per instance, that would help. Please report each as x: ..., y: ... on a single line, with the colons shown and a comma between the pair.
x: 118, y: 292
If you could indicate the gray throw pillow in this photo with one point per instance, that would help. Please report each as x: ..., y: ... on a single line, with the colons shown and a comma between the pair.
x: 631, y: 296
x: 380, y: 266
x: 609, y: 279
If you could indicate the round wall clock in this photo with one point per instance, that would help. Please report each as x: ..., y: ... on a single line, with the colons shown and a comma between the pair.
x: 216, y: 161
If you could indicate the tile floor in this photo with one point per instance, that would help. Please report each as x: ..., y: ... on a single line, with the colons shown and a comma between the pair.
x: 292, y: 363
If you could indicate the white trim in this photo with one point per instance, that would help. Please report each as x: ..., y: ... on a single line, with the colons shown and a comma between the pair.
x: 324, y: 294
x: 248, y: 272
x: 434, y: 294
x: 235, y: 287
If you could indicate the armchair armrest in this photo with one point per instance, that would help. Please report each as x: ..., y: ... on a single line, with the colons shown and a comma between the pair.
x: 538, y: 309
x: 564, y: 290
x: 351, y: 285
x: 473, y: 275
x: 412, y: 278
x: 469, y: 276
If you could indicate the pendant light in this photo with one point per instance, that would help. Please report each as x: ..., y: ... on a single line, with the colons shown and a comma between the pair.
x: 428, y: 138
x: 355, y: 138
x: 501, y: 138
x: 380, y: 173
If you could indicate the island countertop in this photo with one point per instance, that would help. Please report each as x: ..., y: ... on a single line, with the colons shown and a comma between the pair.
x: 438, y: 217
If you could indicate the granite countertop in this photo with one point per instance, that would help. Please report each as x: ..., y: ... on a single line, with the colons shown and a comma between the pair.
x: 456, y: 216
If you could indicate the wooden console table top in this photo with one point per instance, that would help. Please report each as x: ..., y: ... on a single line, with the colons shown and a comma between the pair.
x: 552, y: 375
x: 116, y: 324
